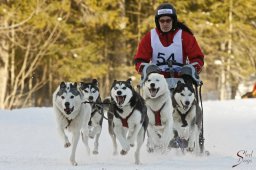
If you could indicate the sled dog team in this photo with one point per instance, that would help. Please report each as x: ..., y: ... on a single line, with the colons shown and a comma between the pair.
x: 162, y: 115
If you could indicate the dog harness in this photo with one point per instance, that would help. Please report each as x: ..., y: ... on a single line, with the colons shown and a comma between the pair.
x: 124, y: 120
x: 158, y: 116
x: 69, y: 121
x: 183, y: 116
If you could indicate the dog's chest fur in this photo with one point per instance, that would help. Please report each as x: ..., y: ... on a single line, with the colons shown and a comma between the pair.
x: 190, y: 116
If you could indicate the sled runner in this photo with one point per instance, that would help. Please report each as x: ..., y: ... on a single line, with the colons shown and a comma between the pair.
x: 187, y: 75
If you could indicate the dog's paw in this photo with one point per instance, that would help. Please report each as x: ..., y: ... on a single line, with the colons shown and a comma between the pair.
x: 123, y: 152
x: 95, y: 152
x: 73, y: 162
x: 190, y: 149
x: 66, y: 145
x: 150, y: 150
x: 137, y: 162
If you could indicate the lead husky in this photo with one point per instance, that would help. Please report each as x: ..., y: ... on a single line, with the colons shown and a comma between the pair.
x: 187, y: 116
x: 130, y: 119
x: 92, y: 94
x: 71, y: 114
x: 158, y: 101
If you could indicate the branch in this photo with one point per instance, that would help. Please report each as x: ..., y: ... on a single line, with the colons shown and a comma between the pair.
x: 18, y: 24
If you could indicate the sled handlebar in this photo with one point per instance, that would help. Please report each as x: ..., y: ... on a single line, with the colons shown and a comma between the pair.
x: 170, y: 63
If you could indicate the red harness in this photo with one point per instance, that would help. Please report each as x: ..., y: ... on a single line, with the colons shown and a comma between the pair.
x: 158, y: 116
x: 125, y: 120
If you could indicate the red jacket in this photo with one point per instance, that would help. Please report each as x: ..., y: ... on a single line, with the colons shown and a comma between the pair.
x: 189, y: 46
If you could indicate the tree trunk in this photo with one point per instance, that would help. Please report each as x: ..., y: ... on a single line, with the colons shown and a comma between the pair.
x: 4, y: 63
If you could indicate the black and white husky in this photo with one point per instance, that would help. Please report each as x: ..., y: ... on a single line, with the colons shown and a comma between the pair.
x: 187, y: 116
x: 71, y: 114
x: 159, y: 109
x: 92, y: 94
x: 130, y: 119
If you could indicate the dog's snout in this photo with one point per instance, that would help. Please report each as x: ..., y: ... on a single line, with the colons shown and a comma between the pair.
x: 152, y: 85
x: 67, y: 104
x: 187, y: 103
x: 90, y: 97
x: 119, y: 93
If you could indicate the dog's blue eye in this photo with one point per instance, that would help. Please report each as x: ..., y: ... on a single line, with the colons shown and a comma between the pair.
x: 62, y: 97
x: 124, y: 88
x: 182, y: 94
x: 190, y: 94
x: 149, y: 80
x: 72, y: 97
x: 94, y: 91
x: 115, y: 88
x: 86, y: 91
x: 157, y: 80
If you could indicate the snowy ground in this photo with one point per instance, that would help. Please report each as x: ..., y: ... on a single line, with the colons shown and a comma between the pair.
x: 29, y: 141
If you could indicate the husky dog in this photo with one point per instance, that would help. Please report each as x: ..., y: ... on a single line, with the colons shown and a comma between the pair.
x: 71, y: 114
x: 91, y: 93
x: 187, y: 115
x: 130, y: 119
x: 159, y: 110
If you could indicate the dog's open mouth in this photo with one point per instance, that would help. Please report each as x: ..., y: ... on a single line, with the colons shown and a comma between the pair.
x: 120, y: 99
x: 185, y: 107
x: 69, y: 110
x: 153, y: 91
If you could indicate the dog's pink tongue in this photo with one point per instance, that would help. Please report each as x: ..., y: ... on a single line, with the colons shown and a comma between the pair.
x: 153, y: 92
x: 119, y: 99
x: 69, y: 110
x: 66, y: 109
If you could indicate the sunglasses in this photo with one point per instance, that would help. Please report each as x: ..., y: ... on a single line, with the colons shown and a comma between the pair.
x: 165, y: 20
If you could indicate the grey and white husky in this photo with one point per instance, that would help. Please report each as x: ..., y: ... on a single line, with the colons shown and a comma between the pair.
x: 130, y: 119
x: 187, y: 116
x: 92, y: 94
x: 71, y: 114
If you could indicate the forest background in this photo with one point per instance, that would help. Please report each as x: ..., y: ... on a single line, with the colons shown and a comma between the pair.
x: 44, y: 42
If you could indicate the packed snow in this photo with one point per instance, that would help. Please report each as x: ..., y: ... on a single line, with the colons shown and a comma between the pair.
x: 29, y: 141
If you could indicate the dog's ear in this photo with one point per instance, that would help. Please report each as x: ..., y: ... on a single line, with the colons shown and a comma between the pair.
x: 63, y: 85
x: 179, y: 83
x: 82, y: 85
x: 95, y: 82
x: 75, y: 85
x: 129, y: 80
x: 114, y: 82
